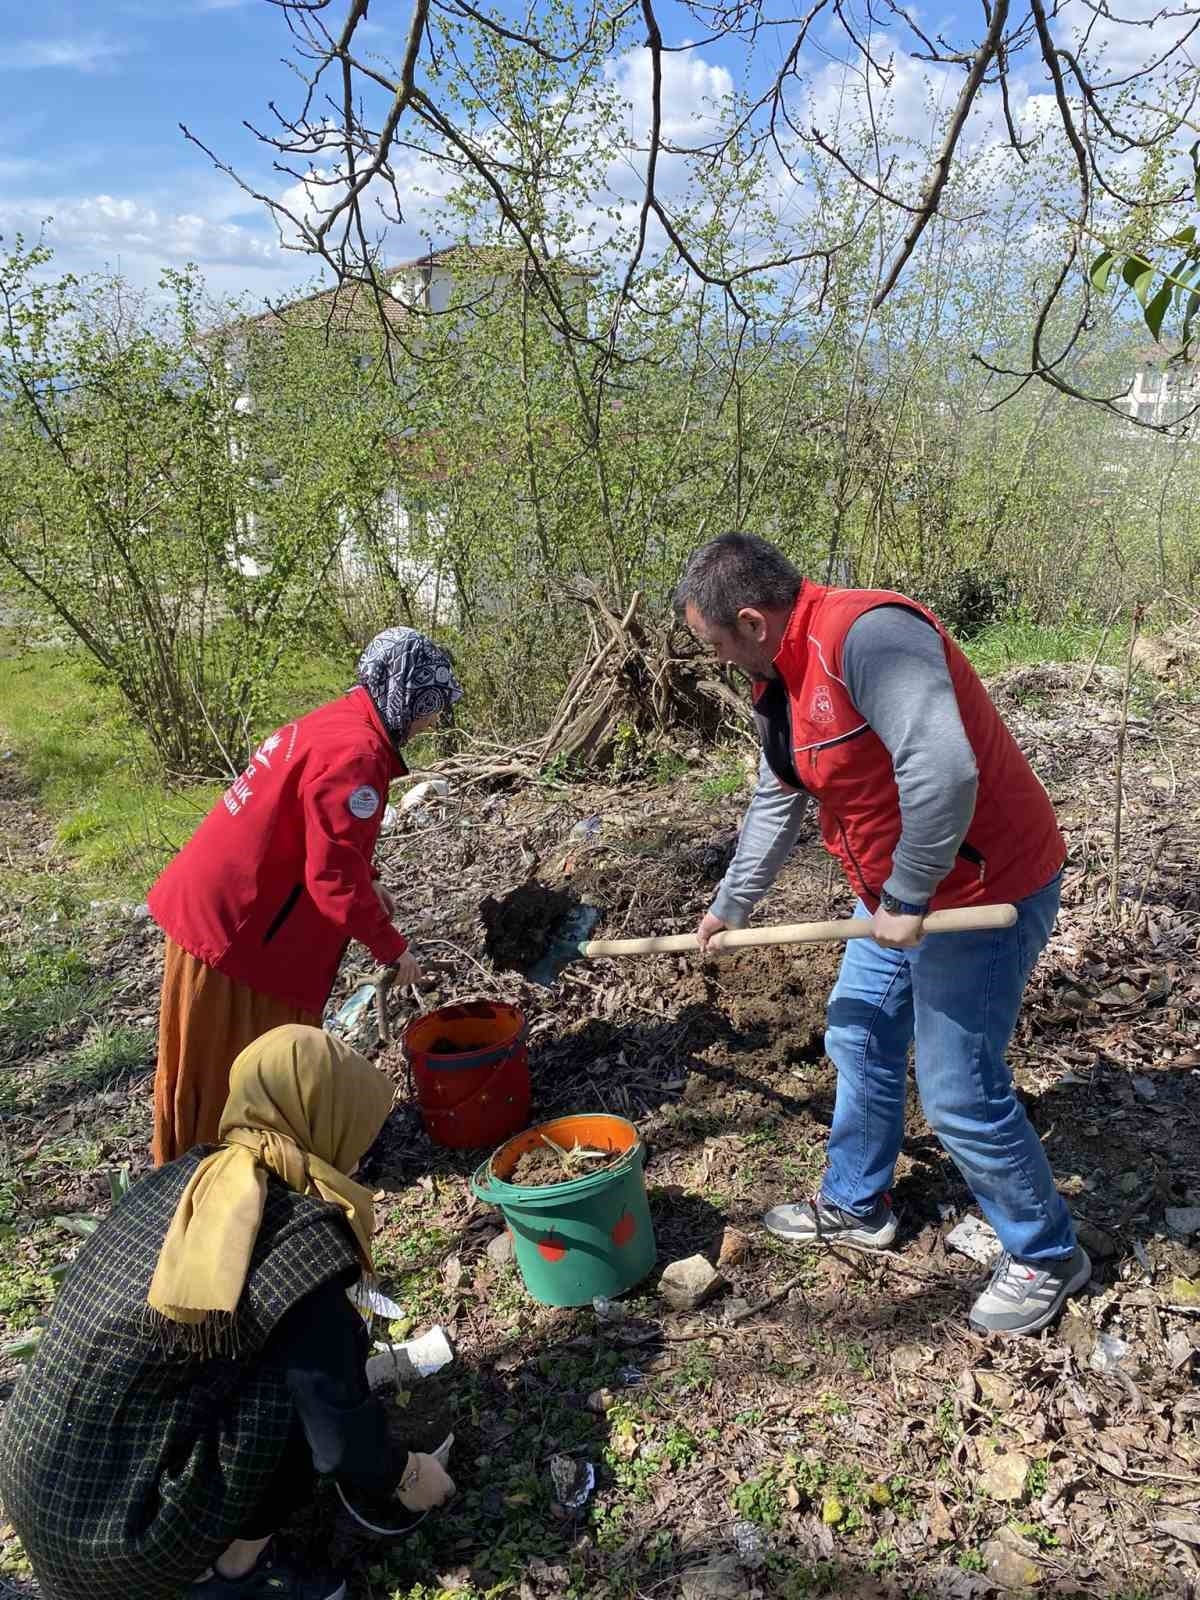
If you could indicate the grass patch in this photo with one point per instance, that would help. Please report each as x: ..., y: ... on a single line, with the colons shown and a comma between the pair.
x: 108, y: 1051
x: 44, y: 989
x: 730, y: 779
x: 95, y: 773
x: 1018, y: 641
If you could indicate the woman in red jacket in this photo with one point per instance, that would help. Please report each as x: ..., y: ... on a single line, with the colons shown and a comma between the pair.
x: 260, y: 904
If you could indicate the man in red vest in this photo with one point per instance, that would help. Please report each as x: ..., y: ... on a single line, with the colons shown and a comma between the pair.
x: 865, y: 704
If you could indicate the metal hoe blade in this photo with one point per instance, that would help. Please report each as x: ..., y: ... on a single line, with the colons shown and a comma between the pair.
x: 565, y: 944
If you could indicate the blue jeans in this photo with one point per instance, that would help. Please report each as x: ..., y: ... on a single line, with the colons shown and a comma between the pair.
x: 957, y: 995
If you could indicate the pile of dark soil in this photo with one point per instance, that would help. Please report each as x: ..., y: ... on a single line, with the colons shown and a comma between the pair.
x: 518, y: 927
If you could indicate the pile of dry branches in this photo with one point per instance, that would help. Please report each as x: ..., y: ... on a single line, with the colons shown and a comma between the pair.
x: 639, y: 688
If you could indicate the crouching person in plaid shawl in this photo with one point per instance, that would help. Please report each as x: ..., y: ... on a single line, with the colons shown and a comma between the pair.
x: 204, y: 1360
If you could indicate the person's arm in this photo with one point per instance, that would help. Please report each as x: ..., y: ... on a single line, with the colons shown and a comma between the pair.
x: 770, y: 828
x: 341, y: 807
x: 320, y: 1347
x: 895, y: 668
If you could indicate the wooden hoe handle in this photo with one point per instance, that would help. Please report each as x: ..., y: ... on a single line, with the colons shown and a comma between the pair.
x: 966, y: 919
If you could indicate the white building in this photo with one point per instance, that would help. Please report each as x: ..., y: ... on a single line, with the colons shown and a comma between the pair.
x: 1162, y: 390
x: 462, y: 281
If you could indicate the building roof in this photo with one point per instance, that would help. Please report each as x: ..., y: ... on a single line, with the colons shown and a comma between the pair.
x: 346, y: 308
x: 490, y: 258
x: 355, y: 307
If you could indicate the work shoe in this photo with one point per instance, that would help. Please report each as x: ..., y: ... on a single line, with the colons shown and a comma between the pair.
x: 1024, y: 1296
x: 816, y: 1221
x: 271, y: 1579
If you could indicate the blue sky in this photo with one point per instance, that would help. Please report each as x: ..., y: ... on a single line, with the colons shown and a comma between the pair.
x: 92, y: 92
x: 91, y: 96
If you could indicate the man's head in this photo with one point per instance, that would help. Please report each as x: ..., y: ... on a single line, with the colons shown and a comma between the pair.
x: 736, y: 594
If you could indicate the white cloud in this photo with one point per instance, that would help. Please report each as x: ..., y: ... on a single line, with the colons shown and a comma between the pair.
x: 1117, y: 46
x: 693, y: 91
x: 139, y: 237
x: 420, y: 186
x: 106, y: 223
x: 88, y: 52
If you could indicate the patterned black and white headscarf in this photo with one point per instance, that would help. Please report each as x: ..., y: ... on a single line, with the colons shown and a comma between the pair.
x: 407, y: 677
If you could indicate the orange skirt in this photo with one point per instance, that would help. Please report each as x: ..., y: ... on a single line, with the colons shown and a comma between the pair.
x: 205, y: 1021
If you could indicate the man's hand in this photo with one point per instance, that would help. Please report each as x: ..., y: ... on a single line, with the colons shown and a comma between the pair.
x: 408, y: 971
x: 386, y: 902
x: 895, y: 932
x: 708, y: 926
x: 425, y: 1483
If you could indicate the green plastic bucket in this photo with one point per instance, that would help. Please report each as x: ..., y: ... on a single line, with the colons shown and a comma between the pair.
x: 588, y: 1236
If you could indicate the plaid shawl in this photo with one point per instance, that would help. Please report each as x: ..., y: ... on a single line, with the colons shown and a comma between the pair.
x: 128, y: 1463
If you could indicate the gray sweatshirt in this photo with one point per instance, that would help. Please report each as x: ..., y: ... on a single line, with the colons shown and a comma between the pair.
x: 895, y: 669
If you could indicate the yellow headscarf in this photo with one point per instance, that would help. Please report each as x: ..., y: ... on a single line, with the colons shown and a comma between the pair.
x: 302, y: 1105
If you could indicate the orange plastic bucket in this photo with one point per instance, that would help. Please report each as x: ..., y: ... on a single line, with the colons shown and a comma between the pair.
x: 477, y: 1092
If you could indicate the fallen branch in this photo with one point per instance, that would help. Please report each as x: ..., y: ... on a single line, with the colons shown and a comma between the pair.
x: 771, y: 1300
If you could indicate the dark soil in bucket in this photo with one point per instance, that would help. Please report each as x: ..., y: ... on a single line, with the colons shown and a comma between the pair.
x: 540, y: 1167
x: 519, y: 926
x: 444, y: 1047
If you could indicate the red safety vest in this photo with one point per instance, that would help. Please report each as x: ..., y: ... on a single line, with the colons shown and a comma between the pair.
x: 1013, y: 846
x: 278, y: 877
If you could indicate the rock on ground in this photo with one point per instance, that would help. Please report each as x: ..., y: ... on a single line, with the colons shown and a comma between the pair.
x: 689, y: 1283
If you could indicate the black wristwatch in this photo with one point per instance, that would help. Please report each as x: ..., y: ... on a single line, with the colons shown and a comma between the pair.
x: 901, y: 908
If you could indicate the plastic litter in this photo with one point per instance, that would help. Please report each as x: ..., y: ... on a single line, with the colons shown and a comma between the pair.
x: 407, y: 1363
x: 751, y: 1547
x: 588, y: 830
x: 573, y: 1482
x: 422, y: 793
x: 367, y: 1299
x: 1109, y: 1353
x: 607, y: 1310
x: 974, y: 1238
x: 355, y: 1019
x: 430, y: 1351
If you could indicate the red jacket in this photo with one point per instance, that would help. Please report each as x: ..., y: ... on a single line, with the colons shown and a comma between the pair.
x: 278, y: 879
x: 1012, y: 848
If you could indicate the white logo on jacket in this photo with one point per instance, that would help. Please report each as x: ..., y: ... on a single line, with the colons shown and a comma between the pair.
x: 364, y: 802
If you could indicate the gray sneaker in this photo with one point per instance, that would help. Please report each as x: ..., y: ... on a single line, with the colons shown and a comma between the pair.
x: 1023, y: 1296
x: 818, y: 1222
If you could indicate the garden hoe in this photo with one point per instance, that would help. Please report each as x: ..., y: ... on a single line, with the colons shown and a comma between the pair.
x: 571, y: 942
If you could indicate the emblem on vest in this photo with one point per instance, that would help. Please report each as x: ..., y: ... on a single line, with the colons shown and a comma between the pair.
x: 821, y: 711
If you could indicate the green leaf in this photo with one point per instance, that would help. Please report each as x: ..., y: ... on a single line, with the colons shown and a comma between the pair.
x: 1157, y: 309
x: 1139, y: 275
x: 20, y: 1349
x: 1184, y: 236
x: 1183, y: 273
x: 1193, y: 306
x: 1101, y: 270
x: 118, y: 1184
x: 81, y: 1227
